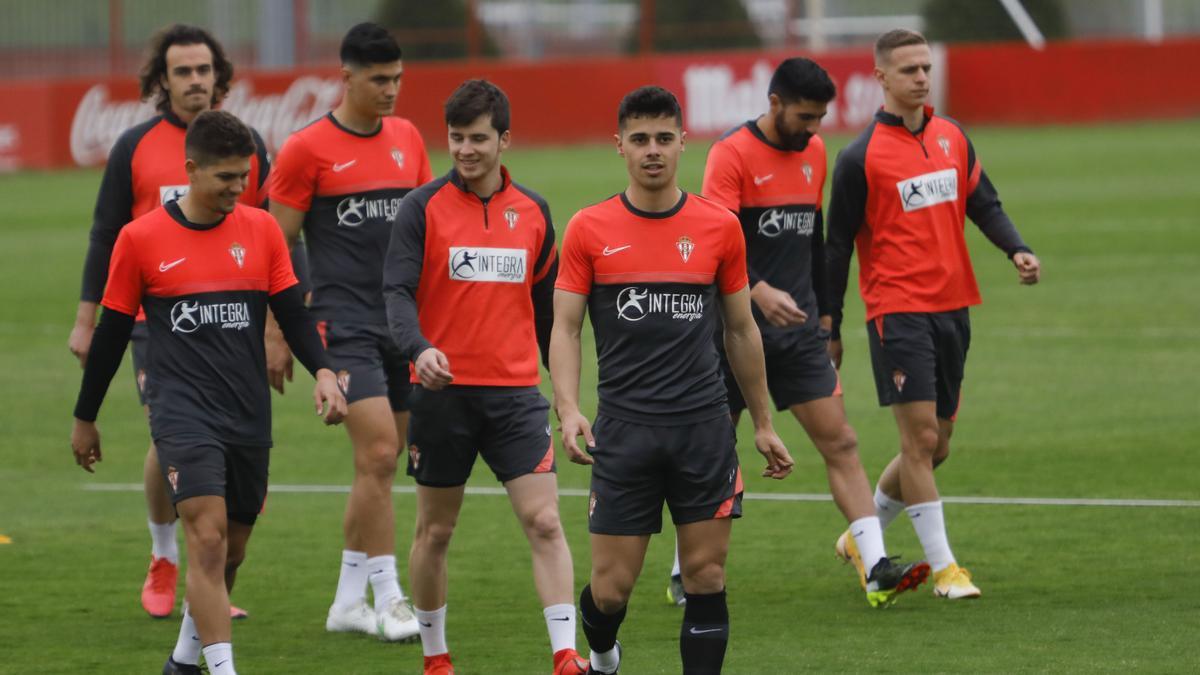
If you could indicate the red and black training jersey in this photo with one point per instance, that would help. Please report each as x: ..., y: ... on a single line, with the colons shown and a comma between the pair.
x: 145, y: 170
x: 205, y: 291
x: 776, y: 194
x: 474, y: 278
x: 652, y: 281
x: 350, y: 186
x: 901, y: 197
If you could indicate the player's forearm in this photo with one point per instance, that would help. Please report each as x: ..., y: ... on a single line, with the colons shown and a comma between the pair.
x: 95, y: 269
x: 299, y: 329
x: 565, y: 362
x: 743, y: 348
x: 104, y: 358
x: 85, y: 314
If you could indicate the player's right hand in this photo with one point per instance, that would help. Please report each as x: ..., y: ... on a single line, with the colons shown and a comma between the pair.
x: 777, y: 306
x: 279, y: 360
x: 85, y: 444
x: 835, y: 353
x: 81, y: 341
x: 779, y: 461
x: 433, y: 369
x: 327, y: 394
x: 574, y: 425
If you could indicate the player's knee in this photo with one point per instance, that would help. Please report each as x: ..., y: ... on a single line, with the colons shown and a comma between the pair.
x: 234, y: 559
x: 544, y: 525
x: 704, y: 578
x: 433, y: 536
x: 378, y: 460
x: 207, y: 546
x: 612, y: 593
x: 923, y: 442
x: 940, y: 455
x: 841, y: 448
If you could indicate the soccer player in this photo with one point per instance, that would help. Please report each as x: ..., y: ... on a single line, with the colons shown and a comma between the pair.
x: 341, y: 179
x: 186, y: 72
x: 205, y: 268
x: 652, y: 265
x: 901, y: 191
x: 770, y: 171
x: 469, y: 286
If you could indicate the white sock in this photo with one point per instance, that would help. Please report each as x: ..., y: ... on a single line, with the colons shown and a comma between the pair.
x: 187, y: 647
x: 162, y: 538
x: 381, y: 570
x: 886, y: 508
x: 219, y: 657
x: 868, y: 537
x: 675, y: 565
x: 560, y: 623
x: 930, y: 524
x: 433, y: 631
x: 606, y: 662
x: 352, y: 581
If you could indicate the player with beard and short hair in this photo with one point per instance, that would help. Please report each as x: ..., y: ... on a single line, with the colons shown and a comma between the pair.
x: 469, y: 285
x: 770, y: 171
x: 205, y: 268
x: 654, y: 266
x: 340, y: 180
x: 901, y: 192
x: 186, y: 72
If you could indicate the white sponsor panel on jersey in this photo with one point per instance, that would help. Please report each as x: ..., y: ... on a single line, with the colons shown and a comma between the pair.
x: 474, y: 263
x: 928, y: 189
x: 189, y: 315
x: 171, y: 193
x: 635, y: 304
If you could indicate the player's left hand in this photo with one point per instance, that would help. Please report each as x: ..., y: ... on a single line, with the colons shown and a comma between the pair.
x: 331, y: 403
x: 85, y: 443
x: 1028, y: 267
x: 779, y: 461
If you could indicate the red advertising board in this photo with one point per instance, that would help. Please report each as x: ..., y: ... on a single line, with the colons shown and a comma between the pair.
x: 75, y: 122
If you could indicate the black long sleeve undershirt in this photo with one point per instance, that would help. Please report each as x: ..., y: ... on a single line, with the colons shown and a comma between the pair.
x: 299, y: 329
x: 104, y: 358
x: 983, y: 208
x: 543, y: 311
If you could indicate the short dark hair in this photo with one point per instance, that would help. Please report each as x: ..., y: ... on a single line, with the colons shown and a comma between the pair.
x: 649, y: 101
x: 800, y: 78
x: 215, y: 135
x: 369, y: 43
x: 155, y: 67
x: 895, y: 39
x: 478, y: 97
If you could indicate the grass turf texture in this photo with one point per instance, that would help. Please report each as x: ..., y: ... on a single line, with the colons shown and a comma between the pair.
x: 1084, y: 386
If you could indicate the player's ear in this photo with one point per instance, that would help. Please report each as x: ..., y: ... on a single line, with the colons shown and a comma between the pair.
x: 682, y: 139
x: 346, y: 73
x: 505, y: 139
x: 617, y: 139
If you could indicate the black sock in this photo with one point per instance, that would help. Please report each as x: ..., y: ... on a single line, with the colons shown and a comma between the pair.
x: 704, y: 634
x: 599, y: 628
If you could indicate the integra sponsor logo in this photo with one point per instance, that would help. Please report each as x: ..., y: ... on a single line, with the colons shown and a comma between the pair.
x: 188, y: 316
x: 635, y: 304
x: 928, y: 189
x: 354, y: 211
x: 774, y: 222
x: 505, y: 265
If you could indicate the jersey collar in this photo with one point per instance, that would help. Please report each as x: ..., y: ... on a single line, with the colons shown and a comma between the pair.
x: 657, y: 215
x: 884, y: 117
x: 457, y: 180
x: 173, y: 119
x: 351, y: 131
x: 752, y: 126
x: 176, y: 213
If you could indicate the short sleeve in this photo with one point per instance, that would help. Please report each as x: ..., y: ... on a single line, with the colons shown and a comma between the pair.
x: 281, y: 275
x: 731, y: 275
x: 575, y: 271
x: 123, y: 293
x: 723, y: 176
x: 293, y: 179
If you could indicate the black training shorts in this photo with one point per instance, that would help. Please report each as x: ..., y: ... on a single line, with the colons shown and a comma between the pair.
x: 199, y: 466
x: 798, y: 371
x: 920, y: 357
x: 694, y: 468
x: 368, y: 363
x: 508, y: 426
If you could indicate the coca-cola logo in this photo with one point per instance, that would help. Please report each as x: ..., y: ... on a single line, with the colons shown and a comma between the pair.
x: 99, y: 121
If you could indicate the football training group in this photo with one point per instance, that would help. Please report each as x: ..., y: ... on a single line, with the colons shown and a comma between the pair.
x: 424, y: 305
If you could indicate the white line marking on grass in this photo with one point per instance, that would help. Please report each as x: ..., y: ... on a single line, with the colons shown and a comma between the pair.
x: 759, y: 496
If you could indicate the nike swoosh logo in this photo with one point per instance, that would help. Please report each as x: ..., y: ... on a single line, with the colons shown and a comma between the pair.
x: 427, y: 625
x: 695, y: 631
x: 760, y: 180
x: 350, y: 564
x: 343, y: 167
x: 609, y: 251
x: 164, y: 265
x: 556, y: 618
x: 220, y: 664
x: 857, y: 534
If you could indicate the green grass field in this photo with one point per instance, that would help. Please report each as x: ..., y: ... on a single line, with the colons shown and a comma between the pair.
x: 1085, y: 386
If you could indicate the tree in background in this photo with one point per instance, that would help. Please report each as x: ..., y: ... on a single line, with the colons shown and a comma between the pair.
x: 684, y: 25
x: 987, y: 21
x: 429, y: 30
